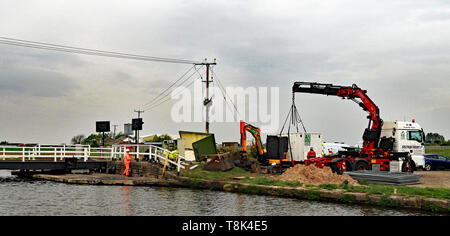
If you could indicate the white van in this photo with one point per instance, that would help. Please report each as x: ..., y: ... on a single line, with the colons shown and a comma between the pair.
x: 334, y: 147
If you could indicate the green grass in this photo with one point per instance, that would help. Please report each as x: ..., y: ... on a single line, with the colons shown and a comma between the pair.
x: 443, y: 152
x: 270, y: 181
x: 442, y: 193
x: 199, y: 173
x: 249, y: 178
x: 260, y: 179
x: 387, y: 190
x: 309, y: 194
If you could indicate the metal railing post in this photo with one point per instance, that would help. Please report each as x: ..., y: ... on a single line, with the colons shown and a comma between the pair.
x: 85, y: 154
x: 137, y: 152
x: 152, y: 156
x: 178, y: 164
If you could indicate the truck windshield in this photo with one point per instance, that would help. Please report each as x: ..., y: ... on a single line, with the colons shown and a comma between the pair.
x: 415, y: 135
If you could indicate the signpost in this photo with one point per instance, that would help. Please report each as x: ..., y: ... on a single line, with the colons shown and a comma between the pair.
x: 136, y: 125
x: 102, y: 127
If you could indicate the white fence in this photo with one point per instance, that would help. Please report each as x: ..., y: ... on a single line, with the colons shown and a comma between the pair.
x: 86, y: 152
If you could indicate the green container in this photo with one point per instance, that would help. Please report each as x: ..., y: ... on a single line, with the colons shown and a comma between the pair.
x: 204, y: 146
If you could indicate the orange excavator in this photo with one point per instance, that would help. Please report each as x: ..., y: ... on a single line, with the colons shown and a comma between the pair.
x: 256, y: 132
x: 264, y: 156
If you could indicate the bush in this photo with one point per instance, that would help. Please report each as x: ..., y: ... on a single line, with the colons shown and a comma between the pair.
x: 161, y: 138
x: 235, y: 151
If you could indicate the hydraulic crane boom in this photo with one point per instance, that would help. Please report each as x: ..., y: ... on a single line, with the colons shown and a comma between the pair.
x: 371, y: 135
x: 377, y: 151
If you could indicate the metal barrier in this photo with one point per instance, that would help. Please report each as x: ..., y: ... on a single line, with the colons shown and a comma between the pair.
x: 86, y: 152
x: 153, y: 153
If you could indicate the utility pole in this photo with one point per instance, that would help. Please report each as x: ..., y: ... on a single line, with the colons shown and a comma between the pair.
x: 114, y: 134
x: 207, y: 101
x: 137, y: 131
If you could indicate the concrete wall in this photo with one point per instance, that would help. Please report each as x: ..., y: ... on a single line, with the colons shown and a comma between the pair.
x: 139, y: 169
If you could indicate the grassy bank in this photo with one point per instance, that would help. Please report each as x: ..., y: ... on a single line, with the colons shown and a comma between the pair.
x: 388, y: 190
x: 441, y: 151
x: 237, y: 172
x: 261, y: 179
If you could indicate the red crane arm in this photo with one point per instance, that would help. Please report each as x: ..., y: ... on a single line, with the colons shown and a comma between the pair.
x: 371, y: 135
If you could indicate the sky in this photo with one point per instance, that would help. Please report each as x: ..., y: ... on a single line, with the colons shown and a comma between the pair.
x: 399, y: 51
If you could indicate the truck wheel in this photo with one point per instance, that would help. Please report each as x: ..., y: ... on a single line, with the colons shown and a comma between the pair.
x: 427, y: 167
x: 408, y: 166
x: 349, y: 166
x: 340, y: 166
x: 335, y: 169
x: 361, y: 165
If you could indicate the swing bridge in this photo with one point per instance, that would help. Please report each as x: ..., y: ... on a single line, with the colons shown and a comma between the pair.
x: 70, y: 157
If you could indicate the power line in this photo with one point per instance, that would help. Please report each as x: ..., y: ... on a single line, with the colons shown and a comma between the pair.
x: 225, y: 99
x: 86, y: 51
x: 114, y: 134
x: 94, y: 52
x: 224, y: 93
x: 168, y: 98
x: 160, y: 97
x: 90, y: 52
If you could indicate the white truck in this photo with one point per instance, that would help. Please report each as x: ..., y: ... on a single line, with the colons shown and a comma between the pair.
x: 409, y: 137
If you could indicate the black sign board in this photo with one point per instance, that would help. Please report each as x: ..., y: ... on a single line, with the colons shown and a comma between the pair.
x: 136, y: 124
x: 102, y: 126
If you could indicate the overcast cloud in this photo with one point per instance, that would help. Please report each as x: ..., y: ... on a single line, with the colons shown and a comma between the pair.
x: 398, y: 50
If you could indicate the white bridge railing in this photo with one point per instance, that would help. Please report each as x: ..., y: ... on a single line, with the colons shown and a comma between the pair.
x: 86, y: 152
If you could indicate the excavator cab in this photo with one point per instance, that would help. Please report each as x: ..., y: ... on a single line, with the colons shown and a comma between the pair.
x: 277, y: 150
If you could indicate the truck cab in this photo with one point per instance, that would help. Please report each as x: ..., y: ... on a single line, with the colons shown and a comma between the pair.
x: 409, y: 137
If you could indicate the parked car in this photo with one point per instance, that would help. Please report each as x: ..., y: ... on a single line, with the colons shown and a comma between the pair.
x: 436, y: 161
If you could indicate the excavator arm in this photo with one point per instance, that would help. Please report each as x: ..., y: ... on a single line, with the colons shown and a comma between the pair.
x: 371, y: 135
x: 256, y: 133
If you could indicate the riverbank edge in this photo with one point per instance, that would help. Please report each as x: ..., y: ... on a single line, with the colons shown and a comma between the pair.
x: 323, y: 195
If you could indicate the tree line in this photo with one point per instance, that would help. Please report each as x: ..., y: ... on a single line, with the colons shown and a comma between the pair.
x: 436, y: 139
x: 95, y: 140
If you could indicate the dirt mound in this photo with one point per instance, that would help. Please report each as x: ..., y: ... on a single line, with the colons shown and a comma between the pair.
x: 315, y: 176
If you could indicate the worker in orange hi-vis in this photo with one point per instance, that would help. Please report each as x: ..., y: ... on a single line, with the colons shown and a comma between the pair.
x: 127, y: 161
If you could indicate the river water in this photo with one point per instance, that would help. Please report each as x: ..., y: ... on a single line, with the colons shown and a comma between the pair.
x: 20, y: 196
